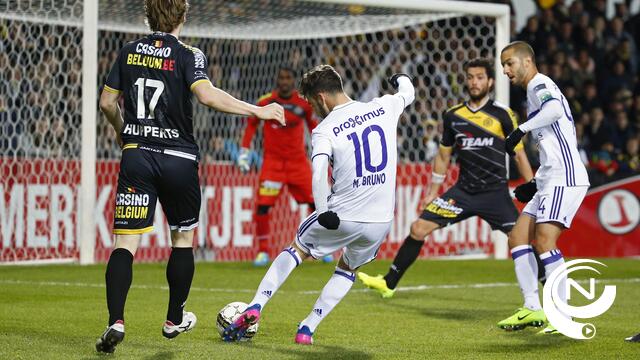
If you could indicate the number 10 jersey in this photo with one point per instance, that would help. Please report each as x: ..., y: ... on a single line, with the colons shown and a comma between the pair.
x: 156, y: 74
x: 360, y: 141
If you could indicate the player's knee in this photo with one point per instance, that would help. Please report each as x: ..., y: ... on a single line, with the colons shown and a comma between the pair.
x: 303, y: 255
x: 343, y: 265
x: 263, y: 209
x: 545, y: 243
x: 129, y: 242
x: 517, y: 238
x: 421, y: 229
x: 182, y: 239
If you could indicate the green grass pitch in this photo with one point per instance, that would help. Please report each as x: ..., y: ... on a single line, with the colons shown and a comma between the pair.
x: 57, y: 312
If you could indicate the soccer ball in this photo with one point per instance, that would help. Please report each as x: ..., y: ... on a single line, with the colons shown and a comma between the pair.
x: 229, y: 313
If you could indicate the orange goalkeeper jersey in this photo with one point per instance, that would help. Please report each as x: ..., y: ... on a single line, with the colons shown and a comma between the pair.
x: 283, y: 142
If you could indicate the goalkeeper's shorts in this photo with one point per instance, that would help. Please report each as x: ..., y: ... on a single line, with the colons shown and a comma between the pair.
x: 494, y: 206
x: 147, y: 175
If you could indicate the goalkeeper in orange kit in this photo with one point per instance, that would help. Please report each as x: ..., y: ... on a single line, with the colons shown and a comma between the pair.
x: 285, y: 156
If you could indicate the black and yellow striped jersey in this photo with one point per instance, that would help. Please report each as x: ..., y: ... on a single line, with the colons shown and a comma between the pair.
x: 478, y: 140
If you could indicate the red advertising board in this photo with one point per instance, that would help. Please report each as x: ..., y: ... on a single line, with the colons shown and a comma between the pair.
x: 39, y: 207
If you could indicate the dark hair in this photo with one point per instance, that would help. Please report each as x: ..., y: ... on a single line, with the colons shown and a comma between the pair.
x: 288, y: 69
x: 322, y: 78
x: 521, y: 49
x: 165, y: 15
x: 483, y: 63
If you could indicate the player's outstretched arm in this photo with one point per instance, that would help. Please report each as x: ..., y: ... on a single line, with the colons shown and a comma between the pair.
x: 111, y: 109
x: 403, y: 83
x: 440, y: 166
x: 220, y: 100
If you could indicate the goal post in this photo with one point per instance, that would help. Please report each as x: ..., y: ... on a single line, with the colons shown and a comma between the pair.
x: 59, y: 160
x: 87, y: 238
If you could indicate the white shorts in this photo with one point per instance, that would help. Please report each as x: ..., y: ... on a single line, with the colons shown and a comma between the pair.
x: 556, y: 203
x: 360, y: 241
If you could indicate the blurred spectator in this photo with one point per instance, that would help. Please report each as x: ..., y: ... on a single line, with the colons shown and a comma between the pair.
x: 599, y: 130
x: 622, y: 132
x: 603, y: 164
x: 629, y: 160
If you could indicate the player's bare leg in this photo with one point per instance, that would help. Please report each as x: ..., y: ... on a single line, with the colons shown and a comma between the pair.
x: 547, y: 235
x: 333, y: 292
x: 282, y: 266
x: 118, y: 281
x: 406, y: 256
x: 526, y: 268
x: 180, y: 269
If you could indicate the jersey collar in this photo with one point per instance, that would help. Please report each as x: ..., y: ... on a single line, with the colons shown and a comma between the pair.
x: 337, y: 107
x: 475, y: 110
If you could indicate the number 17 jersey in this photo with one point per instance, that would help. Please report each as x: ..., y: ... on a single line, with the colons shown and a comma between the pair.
x: 155, y: 75
x: 360, y: 141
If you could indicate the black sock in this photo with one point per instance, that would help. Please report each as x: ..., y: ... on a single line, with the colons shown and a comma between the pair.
x: 118, y: 278
x: 180, y: 270
x: 407, y: 254
x: 542, y: 276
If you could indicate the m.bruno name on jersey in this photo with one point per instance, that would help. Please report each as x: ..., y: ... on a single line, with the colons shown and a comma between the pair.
x: 151, y: 62
x: 153, y: 131
x: 357, y: 120
x: 369, y: 180
x: 147, y: 49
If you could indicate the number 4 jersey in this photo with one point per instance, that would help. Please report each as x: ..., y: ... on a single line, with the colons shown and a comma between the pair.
x: 360, y: 140
x: 156, y: 75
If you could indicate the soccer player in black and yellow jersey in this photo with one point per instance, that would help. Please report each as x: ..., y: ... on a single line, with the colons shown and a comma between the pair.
x: 157, y: 77
x: 476, y: 130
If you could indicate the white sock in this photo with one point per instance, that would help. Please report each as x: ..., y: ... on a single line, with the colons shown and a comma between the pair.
x: 335, y: 289
x: 278, y: 272
x: 553, y: 259
x: 527, y: 274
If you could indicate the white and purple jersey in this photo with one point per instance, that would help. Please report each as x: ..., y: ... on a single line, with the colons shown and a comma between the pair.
x: 560, y: 163
x: 360, y: 140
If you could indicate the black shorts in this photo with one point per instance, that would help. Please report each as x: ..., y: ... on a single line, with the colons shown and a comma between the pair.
x: 147, y: 175
x: 494, y: 206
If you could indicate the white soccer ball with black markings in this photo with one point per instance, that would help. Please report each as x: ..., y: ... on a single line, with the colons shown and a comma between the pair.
x: 229, y: 313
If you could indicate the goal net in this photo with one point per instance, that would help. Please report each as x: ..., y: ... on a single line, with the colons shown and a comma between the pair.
x: 41, y: 117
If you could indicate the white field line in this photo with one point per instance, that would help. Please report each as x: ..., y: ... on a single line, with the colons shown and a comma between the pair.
x: 303, y: 292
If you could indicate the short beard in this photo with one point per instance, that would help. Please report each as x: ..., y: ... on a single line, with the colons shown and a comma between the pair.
x: 479, y: 96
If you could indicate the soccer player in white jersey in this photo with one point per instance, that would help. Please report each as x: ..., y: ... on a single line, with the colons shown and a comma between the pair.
x: 358, y: 140
x: 560, y: 184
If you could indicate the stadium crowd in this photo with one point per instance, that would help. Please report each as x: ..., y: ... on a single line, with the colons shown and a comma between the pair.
x: 593, y: 59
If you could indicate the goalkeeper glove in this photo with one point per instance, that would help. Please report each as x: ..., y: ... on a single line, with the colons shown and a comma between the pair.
x: 243, y: 160
x: 393, y: 80
x: 512, y: 140
x: 329, y: 220
x: 524, y: 192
